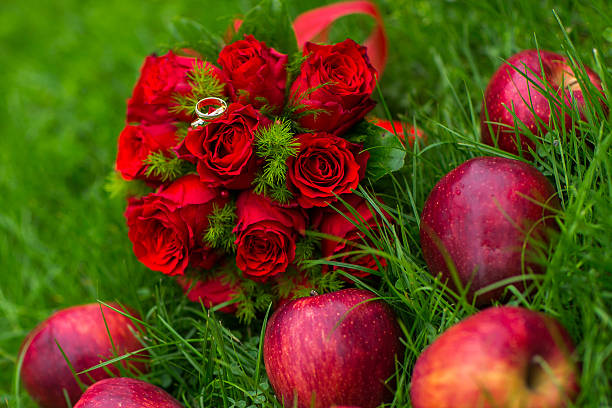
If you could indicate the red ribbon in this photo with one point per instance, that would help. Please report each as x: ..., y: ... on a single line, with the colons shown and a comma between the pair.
x: 314, y: 25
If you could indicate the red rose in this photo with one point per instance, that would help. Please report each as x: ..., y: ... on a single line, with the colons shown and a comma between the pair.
x: 161, y: 79
x: 257, y: 73
x: 325, y: 166
x: 224, y: 149
x: 135, y: 145
x: 342, y: 225
x: 350, y: 79
x: 210, y: 291
x: 265, y: 236
x: 166, y: 227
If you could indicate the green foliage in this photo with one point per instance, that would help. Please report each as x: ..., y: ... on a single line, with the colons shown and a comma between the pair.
x: 204, y: 84
x: 200, y: 357
x: 293, y: 69
x: 270, y: 22
x: 117, y: 186
x: 166, y: 168
x: 181, y: 131
x: 306, y: 248
x: 296, y: 108
x: 296, y: 283
x: 387, y: 154
x: 253, y: 298
x: 275, y: 144
x: 286, y: 283
x: 322, y: 283
x: 187, y: 33
x: 266, y: 109
x: 220, y: 230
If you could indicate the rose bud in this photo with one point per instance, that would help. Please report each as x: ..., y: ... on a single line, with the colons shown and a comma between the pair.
x: 265, y: 235
x: 211, y: 291
x: 136, y: 143
x: 326, y: 166
x: 224, y: 149
x: 161, y: 80
x: 401, y: 129
x: 166, y: 228
x: 257, y: 73
x: 335, y: 83
x: 349, y: 237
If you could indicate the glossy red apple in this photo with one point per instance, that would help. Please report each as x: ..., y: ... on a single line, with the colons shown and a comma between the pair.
x: 333, y: 349
x: 126, y: 393
x: 488, y: 219
x: 511, y: 90
x: 83, y: 337
x: 506, y: 357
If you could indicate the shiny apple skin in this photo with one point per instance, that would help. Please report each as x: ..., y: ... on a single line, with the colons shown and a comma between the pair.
x: 491, y: 359
x: 341, y: 346
x: 82, y: 335
x: 467, y: 216
x: 509, y: 89
x: 124, y: 392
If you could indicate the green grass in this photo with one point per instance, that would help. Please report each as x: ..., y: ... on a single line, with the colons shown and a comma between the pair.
x: 67, y: 69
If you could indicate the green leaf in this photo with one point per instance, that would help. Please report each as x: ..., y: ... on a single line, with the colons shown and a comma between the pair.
x: 386, y: 152
x: 270, y: 22
x: 117, y: 186
x: 187, y: 33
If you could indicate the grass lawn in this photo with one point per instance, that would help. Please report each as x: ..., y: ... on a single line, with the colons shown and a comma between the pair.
x: 67, y: 68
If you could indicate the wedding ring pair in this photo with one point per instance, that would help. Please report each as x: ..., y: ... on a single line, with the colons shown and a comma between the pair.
x: 203, y: 107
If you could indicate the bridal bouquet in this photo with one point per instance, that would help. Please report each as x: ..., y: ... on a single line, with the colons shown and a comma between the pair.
x: 241, y: 159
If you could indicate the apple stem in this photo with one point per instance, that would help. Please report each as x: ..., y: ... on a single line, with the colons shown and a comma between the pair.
x: 314, y: 292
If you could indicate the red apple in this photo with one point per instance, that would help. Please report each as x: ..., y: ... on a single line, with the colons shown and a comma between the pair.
x: 487, y: 219
x: 83, y: 337
x: 511, y: 90
x: 506, y: 357
x: 399, y: 130
x: 333, y: 349
x: 126, y: 393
